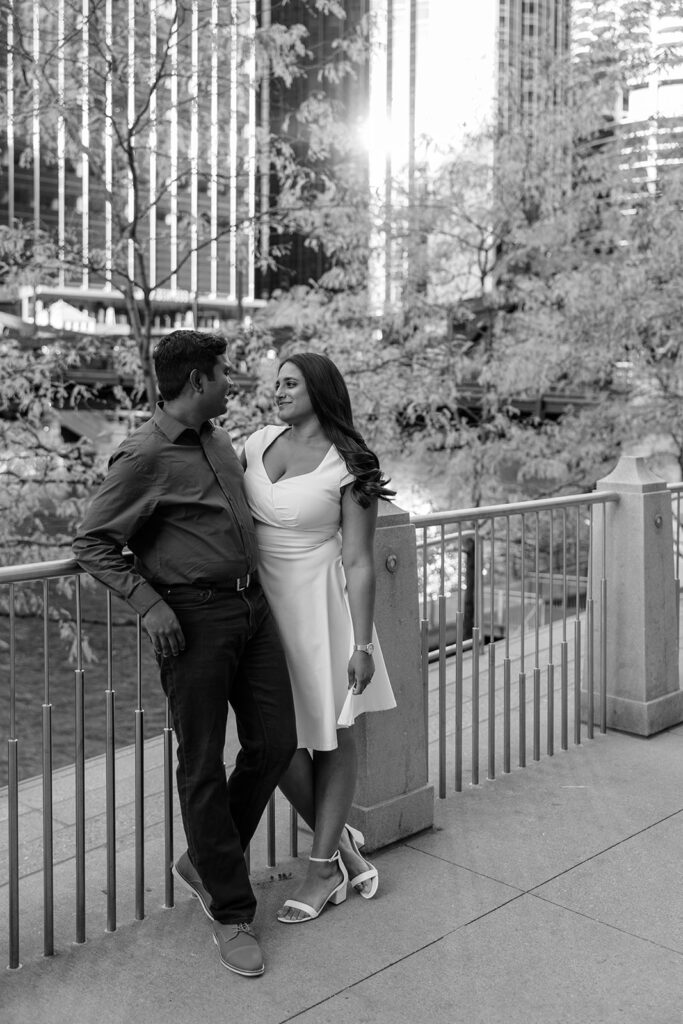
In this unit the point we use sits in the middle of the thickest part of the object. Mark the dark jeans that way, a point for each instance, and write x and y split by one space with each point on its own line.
232 656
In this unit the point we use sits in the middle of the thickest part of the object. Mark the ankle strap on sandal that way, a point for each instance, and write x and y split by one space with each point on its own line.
326 860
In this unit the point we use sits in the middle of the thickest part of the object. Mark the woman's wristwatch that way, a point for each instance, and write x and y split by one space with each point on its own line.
367 648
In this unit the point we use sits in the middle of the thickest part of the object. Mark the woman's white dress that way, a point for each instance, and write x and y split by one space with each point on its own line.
299 541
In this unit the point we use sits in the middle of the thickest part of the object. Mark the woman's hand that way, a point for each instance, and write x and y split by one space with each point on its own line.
361 670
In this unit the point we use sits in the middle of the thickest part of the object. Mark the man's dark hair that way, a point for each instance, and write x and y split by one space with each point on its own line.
181 352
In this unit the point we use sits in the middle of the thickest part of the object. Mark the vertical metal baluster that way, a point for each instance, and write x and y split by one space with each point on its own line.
506 660
603 625
270 833
492 562
564 647
459 636
550 711
522 673
475 704
79 767
13 794
480 588
424 637
425 555
293 833
48 868
476 641
110 779
577 641
442 669
590 635
537 656
492 664
677 568
169 900
139 785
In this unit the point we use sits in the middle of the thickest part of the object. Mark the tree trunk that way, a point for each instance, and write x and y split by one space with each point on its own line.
144 342
142 332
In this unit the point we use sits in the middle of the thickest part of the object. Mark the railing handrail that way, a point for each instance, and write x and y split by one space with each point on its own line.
70 567
30 571
513 508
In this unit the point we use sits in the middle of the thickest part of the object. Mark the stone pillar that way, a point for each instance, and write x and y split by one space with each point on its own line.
643 694
393 797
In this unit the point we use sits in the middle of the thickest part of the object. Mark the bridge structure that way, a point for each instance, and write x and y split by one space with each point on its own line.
522 802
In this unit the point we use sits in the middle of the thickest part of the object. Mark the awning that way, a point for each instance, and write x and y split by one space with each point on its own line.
11 324
95 426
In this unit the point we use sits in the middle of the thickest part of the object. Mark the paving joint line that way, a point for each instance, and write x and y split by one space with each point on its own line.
398 960
606 924
606 849
472 871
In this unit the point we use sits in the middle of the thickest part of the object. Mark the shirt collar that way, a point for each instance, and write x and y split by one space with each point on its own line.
173 428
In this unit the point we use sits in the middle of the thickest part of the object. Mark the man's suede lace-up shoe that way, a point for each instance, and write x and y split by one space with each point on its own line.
238 948
185 871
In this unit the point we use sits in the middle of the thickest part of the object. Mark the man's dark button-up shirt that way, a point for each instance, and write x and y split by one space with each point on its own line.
176 499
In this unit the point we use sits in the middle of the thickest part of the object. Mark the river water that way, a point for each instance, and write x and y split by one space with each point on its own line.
30 688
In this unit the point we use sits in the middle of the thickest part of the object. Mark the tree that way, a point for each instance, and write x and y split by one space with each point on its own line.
538 274
158 116
147 179
41 473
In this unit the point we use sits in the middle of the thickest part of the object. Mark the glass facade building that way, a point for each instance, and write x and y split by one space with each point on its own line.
531 34
137 137
131 141
136 150
648 110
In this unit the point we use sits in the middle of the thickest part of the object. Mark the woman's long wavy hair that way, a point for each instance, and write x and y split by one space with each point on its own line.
332 405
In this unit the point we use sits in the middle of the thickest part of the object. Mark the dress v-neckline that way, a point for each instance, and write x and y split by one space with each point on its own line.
296 476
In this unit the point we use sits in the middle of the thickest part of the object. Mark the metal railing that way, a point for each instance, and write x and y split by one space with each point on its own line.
676 499
510 576
515 580
67 576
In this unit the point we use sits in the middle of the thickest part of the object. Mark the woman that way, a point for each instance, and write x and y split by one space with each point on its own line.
313 485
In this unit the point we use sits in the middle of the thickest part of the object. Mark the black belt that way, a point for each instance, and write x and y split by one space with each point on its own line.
238 584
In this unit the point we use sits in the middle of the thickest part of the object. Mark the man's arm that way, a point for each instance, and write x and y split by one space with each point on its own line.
123 503
121 506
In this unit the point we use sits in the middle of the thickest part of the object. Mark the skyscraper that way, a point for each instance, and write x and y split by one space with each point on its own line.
648 107
531 35
129 139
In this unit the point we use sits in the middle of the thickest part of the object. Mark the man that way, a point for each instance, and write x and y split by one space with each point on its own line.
174 496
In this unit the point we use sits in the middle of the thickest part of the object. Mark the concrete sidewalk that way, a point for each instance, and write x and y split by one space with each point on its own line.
550 895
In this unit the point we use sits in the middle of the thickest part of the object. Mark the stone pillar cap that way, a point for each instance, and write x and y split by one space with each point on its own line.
391 514
631 474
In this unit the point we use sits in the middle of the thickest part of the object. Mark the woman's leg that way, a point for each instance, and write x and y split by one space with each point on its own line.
298 786
335 774
321 789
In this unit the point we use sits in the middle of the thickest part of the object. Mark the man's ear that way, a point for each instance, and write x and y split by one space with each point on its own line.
195 380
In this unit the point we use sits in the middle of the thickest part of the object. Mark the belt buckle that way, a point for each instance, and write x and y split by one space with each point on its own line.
243 582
